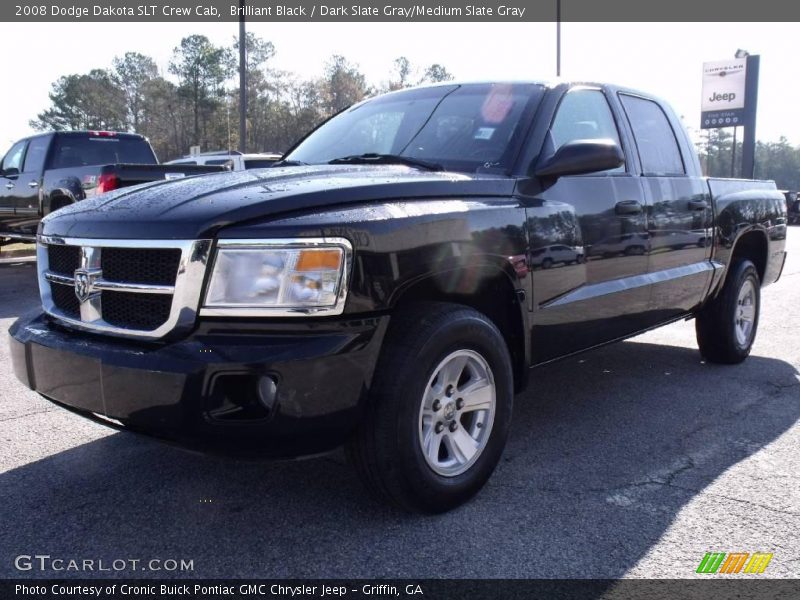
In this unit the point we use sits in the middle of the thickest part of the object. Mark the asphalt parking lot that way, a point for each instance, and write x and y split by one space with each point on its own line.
632 460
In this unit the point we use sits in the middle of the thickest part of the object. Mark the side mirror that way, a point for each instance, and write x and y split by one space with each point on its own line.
581 156
12 172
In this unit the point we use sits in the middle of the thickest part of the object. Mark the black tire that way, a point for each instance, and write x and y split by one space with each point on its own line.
386 449
547 263
59 202
716 324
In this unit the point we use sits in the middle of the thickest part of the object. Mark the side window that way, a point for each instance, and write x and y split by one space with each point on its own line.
37 151
658 147
584 115
13 160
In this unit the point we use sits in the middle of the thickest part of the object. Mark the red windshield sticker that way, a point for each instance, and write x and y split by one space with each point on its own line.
498 103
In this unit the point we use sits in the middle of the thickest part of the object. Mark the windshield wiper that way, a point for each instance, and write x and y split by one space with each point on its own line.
386 159
289 163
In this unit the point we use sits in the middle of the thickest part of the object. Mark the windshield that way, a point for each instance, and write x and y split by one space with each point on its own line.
461 127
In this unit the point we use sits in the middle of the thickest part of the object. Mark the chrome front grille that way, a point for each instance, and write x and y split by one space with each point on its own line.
127 288
157 266
137 311
64 259
65 299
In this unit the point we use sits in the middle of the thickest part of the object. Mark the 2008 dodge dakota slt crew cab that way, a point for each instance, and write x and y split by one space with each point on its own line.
383 285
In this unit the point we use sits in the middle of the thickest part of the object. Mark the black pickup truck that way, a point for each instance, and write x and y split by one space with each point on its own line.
45 172
377 287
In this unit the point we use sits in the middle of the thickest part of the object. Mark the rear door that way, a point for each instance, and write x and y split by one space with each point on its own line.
583 302
679 223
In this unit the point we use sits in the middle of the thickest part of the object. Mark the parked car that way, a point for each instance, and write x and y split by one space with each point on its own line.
370 293
675 239
233 160
629 244
45 172
547 256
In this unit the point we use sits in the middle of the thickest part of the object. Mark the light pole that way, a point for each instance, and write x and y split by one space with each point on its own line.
558 38
242 81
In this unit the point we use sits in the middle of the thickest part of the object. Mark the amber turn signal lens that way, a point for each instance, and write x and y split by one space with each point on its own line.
319 260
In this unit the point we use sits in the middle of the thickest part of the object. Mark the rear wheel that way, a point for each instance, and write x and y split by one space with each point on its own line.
726 328
58 202
439 411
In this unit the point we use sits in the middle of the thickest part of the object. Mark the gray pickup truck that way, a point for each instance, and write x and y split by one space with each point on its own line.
390 284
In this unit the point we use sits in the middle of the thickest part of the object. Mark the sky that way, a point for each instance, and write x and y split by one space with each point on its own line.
659 58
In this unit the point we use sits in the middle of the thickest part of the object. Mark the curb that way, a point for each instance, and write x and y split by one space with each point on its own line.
17 254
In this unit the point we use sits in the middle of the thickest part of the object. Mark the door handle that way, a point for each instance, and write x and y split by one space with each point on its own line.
33 184
698 205
628 207
9 185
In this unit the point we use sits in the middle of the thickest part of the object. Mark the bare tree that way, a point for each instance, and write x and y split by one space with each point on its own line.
132 72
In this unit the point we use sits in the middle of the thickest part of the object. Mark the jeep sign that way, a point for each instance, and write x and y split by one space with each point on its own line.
723 102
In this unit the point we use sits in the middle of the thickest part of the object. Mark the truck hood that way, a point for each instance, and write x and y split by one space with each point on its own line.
197 207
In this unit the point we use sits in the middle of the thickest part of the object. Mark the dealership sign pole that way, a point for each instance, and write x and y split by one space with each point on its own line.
730 96
242 82
751 95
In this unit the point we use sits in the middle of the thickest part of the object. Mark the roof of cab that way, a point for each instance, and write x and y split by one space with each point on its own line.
546 83
83 132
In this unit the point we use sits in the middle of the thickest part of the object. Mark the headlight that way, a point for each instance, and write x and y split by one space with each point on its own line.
278 277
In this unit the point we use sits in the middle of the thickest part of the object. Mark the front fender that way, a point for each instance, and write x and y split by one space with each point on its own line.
462 277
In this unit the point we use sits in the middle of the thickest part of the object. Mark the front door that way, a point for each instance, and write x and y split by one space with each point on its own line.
600 218
26 193
10 169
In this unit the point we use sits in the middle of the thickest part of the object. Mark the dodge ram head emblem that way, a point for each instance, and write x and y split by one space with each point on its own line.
84 284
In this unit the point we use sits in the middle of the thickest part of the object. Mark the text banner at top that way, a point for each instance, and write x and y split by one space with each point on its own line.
398 10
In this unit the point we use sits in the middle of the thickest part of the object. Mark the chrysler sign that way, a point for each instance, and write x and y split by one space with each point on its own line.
730 99
724 97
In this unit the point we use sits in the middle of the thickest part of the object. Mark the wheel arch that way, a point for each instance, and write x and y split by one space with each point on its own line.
59 198
488 289
752 245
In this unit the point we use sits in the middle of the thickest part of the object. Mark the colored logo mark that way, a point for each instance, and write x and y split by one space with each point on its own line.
734 562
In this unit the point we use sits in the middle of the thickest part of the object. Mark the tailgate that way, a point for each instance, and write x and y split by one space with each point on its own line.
132 174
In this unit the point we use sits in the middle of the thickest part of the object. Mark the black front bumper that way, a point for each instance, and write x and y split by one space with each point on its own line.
202 391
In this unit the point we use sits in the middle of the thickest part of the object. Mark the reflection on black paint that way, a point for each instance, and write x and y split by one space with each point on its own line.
575 219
